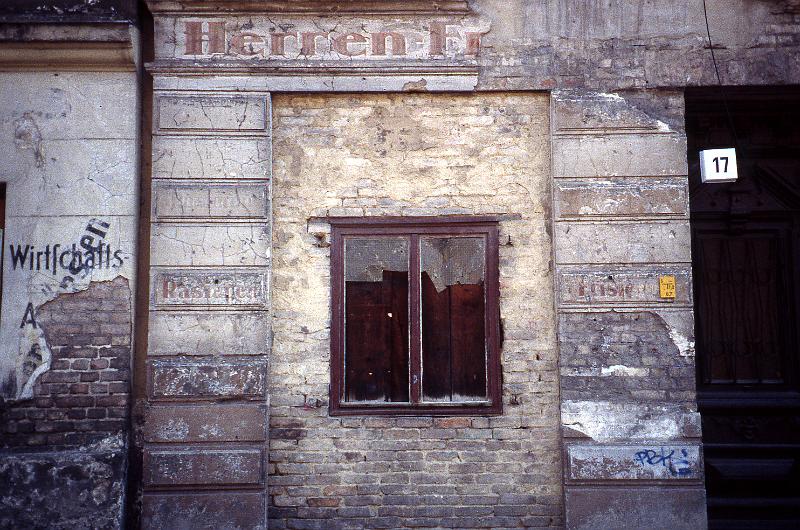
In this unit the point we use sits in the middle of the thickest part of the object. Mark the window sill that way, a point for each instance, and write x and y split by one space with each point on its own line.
442 409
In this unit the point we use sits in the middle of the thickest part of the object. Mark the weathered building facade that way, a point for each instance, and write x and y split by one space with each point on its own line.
70 115
397 264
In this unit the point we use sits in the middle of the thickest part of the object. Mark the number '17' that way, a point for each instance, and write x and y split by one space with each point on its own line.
723 158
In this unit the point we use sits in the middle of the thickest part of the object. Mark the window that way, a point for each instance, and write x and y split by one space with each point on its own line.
415 323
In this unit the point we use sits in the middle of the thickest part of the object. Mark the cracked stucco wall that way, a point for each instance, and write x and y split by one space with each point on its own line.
71 202
623 44
69 148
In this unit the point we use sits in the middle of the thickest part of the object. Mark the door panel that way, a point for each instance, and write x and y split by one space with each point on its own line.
745 242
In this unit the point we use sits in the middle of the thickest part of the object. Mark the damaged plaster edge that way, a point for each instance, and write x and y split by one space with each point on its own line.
26 393
615 370
579 95
610 421
618 103
111 444
684 342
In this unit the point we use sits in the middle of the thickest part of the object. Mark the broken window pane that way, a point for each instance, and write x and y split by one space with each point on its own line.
376 319
452 274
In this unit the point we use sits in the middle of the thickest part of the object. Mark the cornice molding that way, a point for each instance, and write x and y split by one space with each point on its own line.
310 7
70 47
181 67
67 56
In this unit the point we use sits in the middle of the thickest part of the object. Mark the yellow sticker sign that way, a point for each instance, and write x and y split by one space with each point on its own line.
666 287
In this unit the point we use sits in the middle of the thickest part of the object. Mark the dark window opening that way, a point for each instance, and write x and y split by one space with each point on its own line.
376 320
453 311
415 322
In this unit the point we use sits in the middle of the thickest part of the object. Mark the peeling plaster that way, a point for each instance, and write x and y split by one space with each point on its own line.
680 331
685 346
629 113
28 136
28 286
621 370
607 421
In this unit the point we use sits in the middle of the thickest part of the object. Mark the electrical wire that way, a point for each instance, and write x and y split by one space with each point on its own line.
719 81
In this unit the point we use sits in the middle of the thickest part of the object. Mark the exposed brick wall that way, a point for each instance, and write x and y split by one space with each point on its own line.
623 357
412 155
83 398
63 454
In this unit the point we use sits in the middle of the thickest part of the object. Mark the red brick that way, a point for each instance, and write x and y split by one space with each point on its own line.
60 364
109 425
111 401
75 401
43 402
90 376
87 353
79 364
99 364
99 388
452 423
114 375
60 377
95 413
328 502
117 412
76 414
118 388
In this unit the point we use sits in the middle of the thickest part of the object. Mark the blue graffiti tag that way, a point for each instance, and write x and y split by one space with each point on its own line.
678 466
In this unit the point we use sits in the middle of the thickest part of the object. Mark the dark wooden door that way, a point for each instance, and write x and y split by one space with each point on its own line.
746 267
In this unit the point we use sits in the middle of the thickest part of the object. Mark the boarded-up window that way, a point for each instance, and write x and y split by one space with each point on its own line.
415 316
453 314
376 320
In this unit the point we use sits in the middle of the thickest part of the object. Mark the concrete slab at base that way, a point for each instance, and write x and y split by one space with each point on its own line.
74 489
636 508
184 511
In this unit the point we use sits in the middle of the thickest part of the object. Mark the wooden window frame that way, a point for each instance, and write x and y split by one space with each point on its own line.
413 228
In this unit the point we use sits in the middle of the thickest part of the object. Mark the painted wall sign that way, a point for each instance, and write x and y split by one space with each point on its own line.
197 287
320 39
40 262
584 287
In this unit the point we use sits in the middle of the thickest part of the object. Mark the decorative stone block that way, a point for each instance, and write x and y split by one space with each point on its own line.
169 379
202 467
211 113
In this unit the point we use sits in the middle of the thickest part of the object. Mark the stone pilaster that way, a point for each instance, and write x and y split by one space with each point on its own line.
631 431
205 423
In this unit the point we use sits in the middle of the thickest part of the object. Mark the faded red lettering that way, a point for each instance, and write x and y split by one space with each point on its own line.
342 42
309 46
379 43
167 287
244 44
195 35
473 43
439 38
277 42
